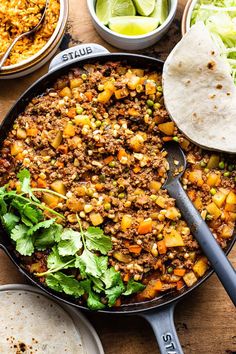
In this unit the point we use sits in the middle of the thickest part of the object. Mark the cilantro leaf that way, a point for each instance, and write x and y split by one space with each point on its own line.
70 243
24 243
3 205
56 262
24 178
98 285
48 237
93 264
67 284
41 225
114 292
93 300
133 287
10 220
81 266
96 240
19 206
110 277
33 214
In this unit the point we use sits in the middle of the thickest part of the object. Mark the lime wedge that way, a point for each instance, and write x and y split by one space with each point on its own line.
144 7
160 11
123 8
132 25
103 10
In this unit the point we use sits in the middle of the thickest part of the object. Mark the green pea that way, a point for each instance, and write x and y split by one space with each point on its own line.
203 164
153 197
149 111
107 206
102 178
114 183
175 138
231 168
112 164
121 195
98 123
227 174
221 165
206 170
79 109
150 103
159 89
213 191
84 77
157 105
160 237
170 270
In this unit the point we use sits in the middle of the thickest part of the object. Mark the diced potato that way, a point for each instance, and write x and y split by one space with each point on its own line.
21 133
35 267
150 87
190 279
66 91
57 140
51 200
154 76
108 85
81 191
231 198
172 213
173 239
103 97
59 187
228 230
138 72
230 207
161 246
124 258
219 199
213 161
96 218
123 157
201 266
126 222
82 120
75 82
16 147
32 132
213 210
137 143
184 144
74 204
161 201
75 142
167 128
145 227
121 93
232 216
213 179
69 130
133 82
133 112
198 203
195 177
154 186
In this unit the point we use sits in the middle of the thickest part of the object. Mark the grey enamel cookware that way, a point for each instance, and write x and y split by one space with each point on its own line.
158 312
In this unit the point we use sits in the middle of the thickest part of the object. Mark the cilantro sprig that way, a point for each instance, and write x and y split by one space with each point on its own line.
85 250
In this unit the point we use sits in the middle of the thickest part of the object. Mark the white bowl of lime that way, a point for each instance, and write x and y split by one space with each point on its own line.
132 24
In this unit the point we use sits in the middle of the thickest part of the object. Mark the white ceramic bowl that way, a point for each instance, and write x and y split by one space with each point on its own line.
132 42
187 14
44 54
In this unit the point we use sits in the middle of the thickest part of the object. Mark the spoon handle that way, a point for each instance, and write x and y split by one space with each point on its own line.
8 51
206 240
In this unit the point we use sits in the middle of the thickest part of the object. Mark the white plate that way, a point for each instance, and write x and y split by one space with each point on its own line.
91 343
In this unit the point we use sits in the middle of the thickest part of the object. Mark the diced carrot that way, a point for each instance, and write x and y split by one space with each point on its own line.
34 184
179 271
179 284
167 138
59 164
157 285
137 169
19 157
123 156
108 159
136 249
133 112
89 95
126 277
99 187
126 243
69 130
32 132
161 247
145 227
41 183
71 113
63 149
158 264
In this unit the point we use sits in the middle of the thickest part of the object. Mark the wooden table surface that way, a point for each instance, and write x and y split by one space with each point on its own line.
206 319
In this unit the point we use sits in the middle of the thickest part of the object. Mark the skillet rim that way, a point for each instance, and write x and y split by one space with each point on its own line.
5 126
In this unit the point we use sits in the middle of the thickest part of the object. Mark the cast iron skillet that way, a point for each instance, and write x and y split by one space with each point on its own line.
158 312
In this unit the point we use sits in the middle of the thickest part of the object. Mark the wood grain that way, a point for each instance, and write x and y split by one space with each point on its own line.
205 320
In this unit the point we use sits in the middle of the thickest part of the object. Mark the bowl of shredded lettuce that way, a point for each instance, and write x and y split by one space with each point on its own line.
219 16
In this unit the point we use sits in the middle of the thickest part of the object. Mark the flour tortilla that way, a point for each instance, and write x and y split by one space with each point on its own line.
31 323
199 91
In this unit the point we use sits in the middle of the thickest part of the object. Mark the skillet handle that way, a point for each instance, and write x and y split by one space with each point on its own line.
73 54
162 323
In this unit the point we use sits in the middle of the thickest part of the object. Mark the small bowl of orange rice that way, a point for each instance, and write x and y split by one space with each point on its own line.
30 52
